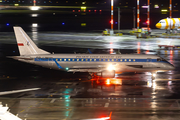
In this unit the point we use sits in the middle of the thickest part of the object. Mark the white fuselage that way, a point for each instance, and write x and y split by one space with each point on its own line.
99 62
169 23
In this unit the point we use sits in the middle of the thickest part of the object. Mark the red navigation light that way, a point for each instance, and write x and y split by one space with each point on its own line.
89 10
79 10
100 10
95 10
84 10
73 10
147 21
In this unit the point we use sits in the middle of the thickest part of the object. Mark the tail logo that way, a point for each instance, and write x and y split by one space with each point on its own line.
20 44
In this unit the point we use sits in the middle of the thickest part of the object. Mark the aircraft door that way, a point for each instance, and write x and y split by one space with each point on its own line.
149 62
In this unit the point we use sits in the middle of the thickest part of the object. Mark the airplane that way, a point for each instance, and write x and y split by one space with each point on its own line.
103 65
169 24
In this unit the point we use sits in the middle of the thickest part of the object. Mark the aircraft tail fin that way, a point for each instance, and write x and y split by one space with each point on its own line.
25 44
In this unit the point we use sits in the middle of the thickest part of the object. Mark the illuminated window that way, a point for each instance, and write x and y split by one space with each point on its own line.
86 59
104 60
64 59
60 59
56 59
112 59
77 59
121 59
94 59
90 59
73 59
81 59
108 59
116 59
99 59
129 59
125 60
134 60
69 59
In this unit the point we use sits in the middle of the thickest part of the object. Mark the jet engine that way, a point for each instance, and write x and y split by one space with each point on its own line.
108 74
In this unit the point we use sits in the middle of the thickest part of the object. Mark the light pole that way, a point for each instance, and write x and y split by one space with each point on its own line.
34 2
111 31
138 14
148 16
119 19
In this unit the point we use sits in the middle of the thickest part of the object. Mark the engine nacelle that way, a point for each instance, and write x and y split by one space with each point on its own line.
108 74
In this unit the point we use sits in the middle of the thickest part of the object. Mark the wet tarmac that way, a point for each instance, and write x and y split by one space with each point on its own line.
68 96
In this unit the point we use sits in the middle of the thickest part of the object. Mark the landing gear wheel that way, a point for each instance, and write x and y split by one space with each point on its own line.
89 77
153 78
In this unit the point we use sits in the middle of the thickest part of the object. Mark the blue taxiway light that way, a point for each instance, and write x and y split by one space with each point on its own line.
7 24
63 23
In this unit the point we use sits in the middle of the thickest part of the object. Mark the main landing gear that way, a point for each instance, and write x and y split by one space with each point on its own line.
153 76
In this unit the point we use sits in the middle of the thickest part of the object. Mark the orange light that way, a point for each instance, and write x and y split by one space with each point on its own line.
147 21
108 82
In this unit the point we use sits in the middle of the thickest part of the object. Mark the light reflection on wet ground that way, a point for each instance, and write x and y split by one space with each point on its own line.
132 91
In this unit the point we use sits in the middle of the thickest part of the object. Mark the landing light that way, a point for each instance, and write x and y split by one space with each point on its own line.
154 74
34 8
67 68
110 67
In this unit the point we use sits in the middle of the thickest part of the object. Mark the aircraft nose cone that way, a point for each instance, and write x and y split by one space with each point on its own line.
171 67
158 25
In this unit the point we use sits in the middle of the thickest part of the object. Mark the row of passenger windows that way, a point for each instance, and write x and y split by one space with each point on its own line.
112 60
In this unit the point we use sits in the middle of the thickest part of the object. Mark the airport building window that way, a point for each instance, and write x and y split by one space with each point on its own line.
129 59
104 60
99 59
112 59
94 59
90 59
64 59
60 59
134 60
86 59
77 59
81 59
69 59
121 59
72 59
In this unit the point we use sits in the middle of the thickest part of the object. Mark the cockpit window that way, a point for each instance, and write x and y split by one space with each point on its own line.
161 59
162 22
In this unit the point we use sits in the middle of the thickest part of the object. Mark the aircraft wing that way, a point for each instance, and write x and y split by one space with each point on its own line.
6 115
18 91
